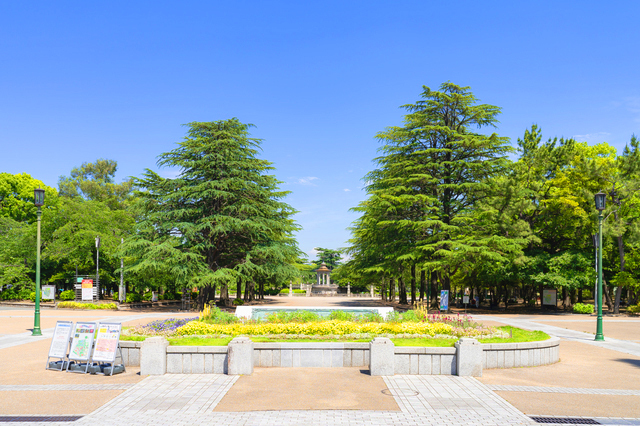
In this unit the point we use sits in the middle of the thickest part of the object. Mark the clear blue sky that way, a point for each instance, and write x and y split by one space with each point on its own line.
81 81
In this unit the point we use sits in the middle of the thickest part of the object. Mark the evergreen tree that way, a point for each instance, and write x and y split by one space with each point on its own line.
221 220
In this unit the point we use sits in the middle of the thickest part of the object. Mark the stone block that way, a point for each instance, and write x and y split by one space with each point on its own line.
134 357
492 359
256 357
240 358
174 363
186 364
346 358
208 363
537 356
524 358
413 363
326 357
337 358
220 363
500 359
275 358
448 365
266 358
424 364
402 364
381 357
357 358
435 364
311 358
468 357
153 357
286 358
517 359
367 356
296 357
197 363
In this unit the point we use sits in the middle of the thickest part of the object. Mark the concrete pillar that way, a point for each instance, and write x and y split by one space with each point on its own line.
348 289
290 289
240 358
153 356
469 357
381 357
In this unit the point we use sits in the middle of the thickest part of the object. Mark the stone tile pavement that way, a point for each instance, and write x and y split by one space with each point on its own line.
189 399
553 389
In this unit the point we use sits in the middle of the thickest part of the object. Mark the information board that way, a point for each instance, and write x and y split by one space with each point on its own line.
82 341
48 292
465 300
549 297
444 300
107 342
87 289
60 341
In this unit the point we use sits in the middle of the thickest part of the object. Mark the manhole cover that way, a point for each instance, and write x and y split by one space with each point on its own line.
565 420
400 392
21 419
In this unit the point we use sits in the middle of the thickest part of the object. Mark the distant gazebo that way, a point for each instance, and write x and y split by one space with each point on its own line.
324 275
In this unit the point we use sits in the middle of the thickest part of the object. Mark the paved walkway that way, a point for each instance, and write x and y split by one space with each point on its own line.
535 323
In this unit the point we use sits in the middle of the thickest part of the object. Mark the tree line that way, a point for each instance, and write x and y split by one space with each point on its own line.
221 225
453 206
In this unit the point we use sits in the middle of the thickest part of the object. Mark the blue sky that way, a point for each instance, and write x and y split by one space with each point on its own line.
82 80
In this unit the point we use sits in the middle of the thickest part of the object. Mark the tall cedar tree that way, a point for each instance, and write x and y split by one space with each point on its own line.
431 172
221 220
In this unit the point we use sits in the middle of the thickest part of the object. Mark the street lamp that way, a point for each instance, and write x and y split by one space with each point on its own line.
97 262
38 200
600 199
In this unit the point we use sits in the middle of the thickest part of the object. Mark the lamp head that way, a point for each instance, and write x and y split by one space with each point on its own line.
600 198
38 197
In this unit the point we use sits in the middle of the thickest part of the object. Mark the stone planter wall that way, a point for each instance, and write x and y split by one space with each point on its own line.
425 361
528 354
391 360
311 354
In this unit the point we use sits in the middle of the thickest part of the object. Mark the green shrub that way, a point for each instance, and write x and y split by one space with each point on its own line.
32 296
284 290
76 305
238 302
147 296
212 314
634 309
68 295
169 295
133 298
582 308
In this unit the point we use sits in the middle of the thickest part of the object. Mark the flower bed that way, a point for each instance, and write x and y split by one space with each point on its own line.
77 305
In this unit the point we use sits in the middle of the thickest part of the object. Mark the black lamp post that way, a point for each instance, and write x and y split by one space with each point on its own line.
600 199
38 200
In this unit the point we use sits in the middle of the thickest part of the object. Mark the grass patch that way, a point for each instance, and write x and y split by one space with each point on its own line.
133 338
519 335
199 341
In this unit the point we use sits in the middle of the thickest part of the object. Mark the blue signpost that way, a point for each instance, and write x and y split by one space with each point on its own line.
444 300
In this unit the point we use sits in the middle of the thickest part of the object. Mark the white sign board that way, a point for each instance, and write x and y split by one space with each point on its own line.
82 341
465 300
107 342
549 297
48 292
60 341
154 296
87 289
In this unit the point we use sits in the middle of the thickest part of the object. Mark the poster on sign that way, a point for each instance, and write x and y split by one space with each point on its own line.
444 300
60 341
87 289
549 297
48 292
107 342
82 341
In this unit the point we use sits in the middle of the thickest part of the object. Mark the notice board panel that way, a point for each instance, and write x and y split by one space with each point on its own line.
60 341
82 341
107 342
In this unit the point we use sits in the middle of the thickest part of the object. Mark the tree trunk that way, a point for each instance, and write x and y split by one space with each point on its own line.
383 289
204 296
413 284
261 291
434 289
605 292
402 291
392 289
224 295
423 284
239 290
580 300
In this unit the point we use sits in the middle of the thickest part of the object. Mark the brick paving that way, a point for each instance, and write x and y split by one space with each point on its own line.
553 389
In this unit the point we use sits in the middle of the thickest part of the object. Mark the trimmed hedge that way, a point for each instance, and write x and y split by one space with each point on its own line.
76 305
